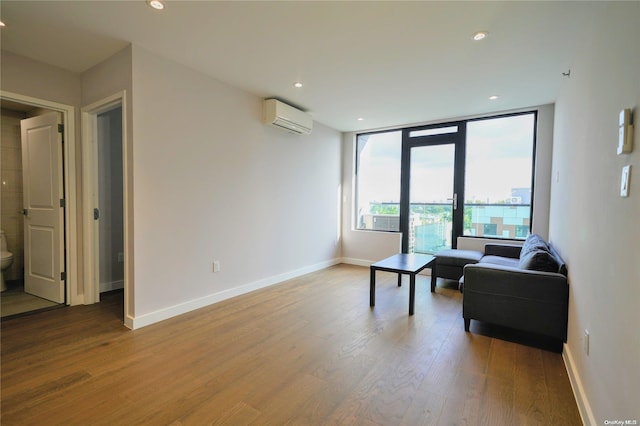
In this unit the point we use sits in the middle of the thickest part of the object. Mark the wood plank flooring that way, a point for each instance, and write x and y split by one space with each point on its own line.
306 352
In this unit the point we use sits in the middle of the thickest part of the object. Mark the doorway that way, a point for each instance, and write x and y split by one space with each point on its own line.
60 268
104 143
432 183
109 206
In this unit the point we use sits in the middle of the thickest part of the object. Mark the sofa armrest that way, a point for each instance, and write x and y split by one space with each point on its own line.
519 298
504 250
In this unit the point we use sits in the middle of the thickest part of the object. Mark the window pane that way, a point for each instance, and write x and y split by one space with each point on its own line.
430 198
498 176
378 181
432 132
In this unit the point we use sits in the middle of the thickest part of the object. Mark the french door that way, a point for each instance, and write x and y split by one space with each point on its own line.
431 210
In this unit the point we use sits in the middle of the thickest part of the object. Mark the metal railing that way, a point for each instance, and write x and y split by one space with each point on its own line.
431 223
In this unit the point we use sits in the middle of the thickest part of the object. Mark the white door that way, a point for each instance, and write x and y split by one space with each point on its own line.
43 221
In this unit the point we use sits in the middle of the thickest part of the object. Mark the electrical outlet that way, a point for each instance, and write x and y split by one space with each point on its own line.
586 341
216 266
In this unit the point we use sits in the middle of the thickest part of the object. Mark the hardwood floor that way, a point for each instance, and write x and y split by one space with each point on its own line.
309 351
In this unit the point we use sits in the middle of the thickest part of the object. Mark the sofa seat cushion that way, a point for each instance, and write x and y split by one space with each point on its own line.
502 261
457 257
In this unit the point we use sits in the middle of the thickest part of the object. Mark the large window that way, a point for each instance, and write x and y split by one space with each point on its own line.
496 179
378 181
498 176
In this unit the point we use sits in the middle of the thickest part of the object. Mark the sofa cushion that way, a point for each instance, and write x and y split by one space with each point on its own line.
502 261
455 257
534 242
538 260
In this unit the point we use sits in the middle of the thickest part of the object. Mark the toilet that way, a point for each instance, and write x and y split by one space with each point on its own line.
7 260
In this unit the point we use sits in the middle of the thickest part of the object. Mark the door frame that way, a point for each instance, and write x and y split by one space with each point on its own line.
408 143
90 181
71 264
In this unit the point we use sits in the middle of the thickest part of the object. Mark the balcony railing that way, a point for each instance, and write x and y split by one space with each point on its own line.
430 224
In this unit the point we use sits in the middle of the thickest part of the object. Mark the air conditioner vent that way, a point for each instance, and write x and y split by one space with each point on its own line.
286 117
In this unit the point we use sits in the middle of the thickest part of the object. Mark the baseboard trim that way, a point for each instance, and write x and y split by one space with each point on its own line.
357 262
578 390
128 321
367 263
182 308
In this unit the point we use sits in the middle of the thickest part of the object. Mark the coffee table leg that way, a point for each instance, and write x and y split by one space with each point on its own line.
412 293
433 276
372 288
399 279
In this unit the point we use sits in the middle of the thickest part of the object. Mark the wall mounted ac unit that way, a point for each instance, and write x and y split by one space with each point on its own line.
286 117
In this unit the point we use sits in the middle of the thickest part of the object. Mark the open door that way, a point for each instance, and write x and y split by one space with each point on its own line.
43 207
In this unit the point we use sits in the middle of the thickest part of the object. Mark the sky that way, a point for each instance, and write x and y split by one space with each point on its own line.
498 158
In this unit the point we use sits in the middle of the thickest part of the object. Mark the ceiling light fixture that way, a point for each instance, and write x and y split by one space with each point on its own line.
297 84
156 4
360 119
1 24
493 97
480 35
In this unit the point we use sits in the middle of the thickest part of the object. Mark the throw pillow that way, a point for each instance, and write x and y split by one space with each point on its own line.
533 243
538 260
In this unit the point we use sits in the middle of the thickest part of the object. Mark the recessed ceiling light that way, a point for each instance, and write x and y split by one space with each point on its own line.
480 35
360 119
156 4
297 84
1 24
493 97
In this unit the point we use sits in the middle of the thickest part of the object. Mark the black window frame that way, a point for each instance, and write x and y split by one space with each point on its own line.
459 174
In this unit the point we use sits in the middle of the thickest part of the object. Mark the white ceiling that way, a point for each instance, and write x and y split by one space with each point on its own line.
391 63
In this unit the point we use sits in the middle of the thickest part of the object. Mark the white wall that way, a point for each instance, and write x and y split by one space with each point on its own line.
542 183
364 247
213 183
596 230
27 77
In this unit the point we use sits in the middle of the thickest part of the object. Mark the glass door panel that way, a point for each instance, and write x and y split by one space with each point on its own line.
431 198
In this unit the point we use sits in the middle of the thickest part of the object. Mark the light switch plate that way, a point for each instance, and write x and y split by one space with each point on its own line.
624 181
625 131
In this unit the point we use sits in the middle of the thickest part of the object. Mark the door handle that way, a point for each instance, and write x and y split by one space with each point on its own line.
24 212
455 200
96 214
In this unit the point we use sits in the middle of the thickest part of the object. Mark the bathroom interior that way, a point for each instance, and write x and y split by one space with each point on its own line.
14 301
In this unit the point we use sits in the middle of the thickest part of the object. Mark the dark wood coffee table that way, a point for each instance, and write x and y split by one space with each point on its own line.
401 263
